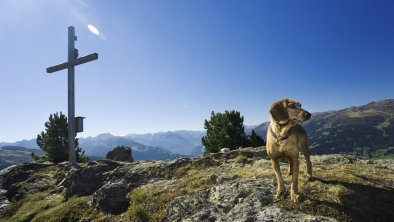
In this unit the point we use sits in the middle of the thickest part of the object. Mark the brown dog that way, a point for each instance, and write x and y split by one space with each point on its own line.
285 139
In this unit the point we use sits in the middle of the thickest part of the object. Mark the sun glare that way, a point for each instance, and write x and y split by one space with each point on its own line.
93 29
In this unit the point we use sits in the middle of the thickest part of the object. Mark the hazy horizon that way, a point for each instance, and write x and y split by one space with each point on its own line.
164 131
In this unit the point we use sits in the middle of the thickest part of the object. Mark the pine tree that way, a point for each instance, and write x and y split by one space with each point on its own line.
224 130
54 141
254 140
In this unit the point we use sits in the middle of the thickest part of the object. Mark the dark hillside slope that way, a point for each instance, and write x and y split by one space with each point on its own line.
365 130
10 155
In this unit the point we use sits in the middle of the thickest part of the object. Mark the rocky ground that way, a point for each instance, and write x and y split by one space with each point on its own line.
234 186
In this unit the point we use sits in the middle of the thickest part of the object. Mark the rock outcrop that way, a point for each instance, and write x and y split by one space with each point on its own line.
120 153
112 197
85 181
277 214
232 186
11 176
237 200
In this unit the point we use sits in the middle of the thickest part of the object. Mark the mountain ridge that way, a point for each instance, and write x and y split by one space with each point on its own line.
329 132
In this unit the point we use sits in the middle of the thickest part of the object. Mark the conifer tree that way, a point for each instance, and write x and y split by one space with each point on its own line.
224 130
254 140
54 141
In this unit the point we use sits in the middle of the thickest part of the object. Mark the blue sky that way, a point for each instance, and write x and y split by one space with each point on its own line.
165 65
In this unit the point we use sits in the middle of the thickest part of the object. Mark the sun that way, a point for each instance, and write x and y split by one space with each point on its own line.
93 29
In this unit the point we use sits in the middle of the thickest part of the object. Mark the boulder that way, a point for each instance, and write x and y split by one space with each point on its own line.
112 198
225 150
120 153
86 181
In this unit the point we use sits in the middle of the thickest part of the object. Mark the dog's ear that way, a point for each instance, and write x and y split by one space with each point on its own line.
278 112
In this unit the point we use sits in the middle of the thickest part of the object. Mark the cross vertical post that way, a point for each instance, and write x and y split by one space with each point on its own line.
72 61
71 96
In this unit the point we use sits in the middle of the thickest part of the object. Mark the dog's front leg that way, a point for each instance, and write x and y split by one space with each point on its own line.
281 186
309 168
305 150
294 185
290 169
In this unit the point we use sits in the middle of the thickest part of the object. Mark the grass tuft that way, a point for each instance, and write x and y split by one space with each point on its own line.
241 159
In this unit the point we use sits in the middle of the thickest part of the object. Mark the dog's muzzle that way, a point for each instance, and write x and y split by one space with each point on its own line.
307 115
303 117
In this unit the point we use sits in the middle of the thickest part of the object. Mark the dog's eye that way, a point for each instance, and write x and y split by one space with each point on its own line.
292 106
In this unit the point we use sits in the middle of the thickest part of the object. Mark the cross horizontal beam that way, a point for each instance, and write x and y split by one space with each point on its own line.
75 62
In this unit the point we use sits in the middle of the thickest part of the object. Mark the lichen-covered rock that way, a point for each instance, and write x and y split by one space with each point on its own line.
12 175
3 199
85 181
238 200
225 150
249 152
338 158
387 163
275 214
221 178
17 173
112 198
262 164
120 153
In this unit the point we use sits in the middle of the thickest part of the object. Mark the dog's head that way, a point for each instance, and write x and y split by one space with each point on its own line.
286 110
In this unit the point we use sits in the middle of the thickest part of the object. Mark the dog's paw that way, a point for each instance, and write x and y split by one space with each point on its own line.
279 192
294 197
309 178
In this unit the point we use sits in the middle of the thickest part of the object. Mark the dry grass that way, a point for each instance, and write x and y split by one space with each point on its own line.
347 192
249 171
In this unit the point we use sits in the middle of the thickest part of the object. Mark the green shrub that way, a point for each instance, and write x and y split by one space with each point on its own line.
241 159
137 196
138 212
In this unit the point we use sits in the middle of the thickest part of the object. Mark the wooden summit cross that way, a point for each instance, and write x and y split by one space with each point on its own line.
73 61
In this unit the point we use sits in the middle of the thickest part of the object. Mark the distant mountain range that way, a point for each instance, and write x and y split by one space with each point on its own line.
177 142
180 142
101 144
157 146
24 143
10 155
366 130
